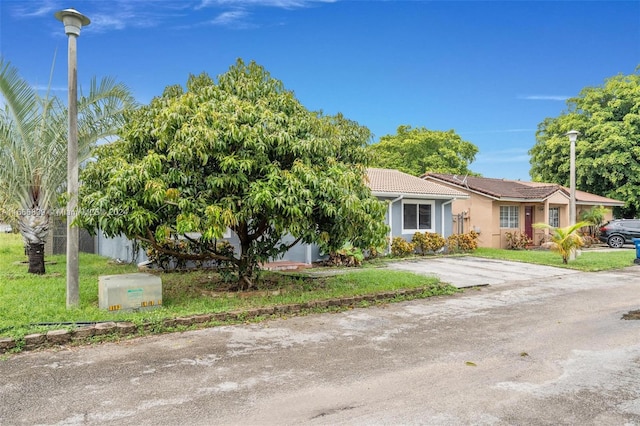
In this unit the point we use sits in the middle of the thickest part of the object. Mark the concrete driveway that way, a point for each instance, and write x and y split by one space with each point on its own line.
549 351
467 271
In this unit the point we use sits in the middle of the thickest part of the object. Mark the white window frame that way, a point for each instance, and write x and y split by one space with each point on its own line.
556 211
430 203
510 217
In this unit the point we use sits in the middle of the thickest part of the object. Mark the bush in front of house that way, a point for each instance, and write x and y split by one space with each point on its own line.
427 242
462 243
401 247
175 255
517 240
348 255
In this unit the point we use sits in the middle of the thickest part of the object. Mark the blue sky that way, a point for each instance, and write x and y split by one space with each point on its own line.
490 70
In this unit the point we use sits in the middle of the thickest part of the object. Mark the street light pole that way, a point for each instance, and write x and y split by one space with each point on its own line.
573 136
73 21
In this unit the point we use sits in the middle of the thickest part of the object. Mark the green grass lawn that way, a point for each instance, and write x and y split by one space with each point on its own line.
27 301
591 260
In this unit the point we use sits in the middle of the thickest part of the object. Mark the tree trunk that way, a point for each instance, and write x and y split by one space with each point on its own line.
35 251
245 274
245 267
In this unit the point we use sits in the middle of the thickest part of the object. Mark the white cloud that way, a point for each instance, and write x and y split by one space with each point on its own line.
30 10
283 4
119 15
41 88
103 23
238 14
230 18
108 16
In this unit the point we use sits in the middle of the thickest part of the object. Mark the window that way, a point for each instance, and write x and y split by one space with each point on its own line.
509 216
417 216
554 217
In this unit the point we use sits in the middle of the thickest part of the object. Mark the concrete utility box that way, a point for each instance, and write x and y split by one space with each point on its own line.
139 291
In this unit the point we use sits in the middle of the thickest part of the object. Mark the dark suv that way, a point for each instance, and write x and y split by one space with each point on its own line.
619 231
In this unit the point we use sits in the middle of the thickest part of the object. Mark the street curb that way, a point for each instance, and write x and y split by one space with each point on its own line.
62 337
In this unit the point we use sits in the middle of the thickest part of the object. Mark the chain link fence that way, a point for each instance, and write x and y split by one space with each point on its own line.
87 243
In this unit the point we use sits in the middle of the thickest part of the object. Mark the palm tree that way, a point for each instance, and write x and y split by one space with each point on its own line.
33 148
595 217
565 240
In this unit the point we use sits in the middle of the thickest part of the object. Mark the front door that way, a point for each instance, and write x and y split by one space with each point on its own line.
528 221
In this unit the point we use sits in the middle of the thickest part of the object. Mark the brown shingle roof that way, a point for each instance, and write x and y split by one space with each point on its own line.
497 188
395 182
515 189
584 197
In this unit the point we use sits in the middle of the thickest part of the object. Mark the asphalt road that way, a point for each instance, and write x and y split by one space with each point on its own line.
549 350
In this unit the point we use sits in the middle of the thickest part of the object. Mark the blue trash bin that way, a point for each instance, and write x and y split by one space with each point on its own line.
636 242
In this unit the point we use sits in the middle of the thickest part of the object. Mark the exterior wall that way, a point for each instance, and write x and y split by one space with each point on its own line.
477 213
448 218
609 214
397 217
118 248
301 252
537 216
121 248
482 214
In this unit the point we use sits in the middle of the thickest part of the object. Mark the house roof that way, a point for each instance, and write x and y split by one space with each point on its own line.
516 190
393 183
588 198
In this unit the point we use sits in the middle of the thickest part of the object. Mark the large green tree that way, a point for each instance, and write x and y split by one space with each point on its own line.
242 154
33 149
417 151
608 148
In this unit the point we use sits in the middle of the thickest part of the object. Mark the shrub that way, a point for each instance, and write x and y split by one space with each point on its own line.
428 242
565 240
401 247
374 252
517 240
462 243
183 248
589 240
348 255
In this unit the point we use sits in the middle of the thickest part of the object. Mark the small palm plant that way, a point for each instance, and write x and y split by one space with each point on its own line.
565 240
595 216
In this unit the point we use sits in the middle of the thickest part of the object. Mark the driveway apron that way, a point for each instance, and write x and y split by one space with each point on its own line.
470 271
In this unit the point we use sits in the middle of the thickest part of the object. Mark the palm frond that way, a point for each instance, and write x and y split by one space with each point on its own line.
20 103
33 140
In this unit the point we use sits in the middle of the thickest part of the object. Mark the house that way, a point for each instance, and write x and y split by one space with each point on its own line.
414 205
497 206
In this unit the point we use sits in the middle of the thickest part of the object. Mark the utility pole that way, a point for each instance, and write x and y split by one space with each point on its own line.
73 22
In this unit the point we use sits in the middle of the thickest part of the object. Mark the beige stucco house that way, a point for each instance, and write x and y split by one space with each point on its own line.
497 206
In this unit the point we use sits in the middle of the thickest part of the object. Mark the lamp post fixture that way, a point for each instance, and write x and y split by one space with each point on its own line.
73 21
573 136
